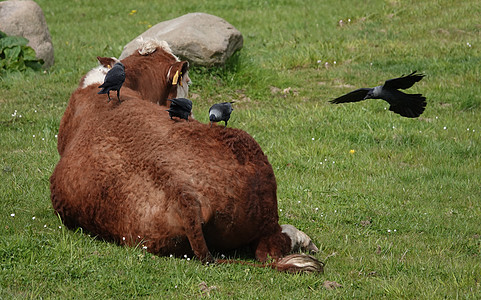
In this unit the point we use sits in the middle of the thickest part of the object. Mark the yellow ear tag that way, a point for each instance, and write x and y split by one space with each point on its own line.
176 77
109 67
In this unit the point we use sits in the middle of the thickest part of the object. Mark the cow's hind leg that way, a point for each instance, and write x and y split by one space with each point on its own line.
192 222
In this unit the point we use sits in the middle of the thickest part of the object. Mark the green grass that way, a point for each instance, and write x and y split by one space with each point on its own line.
398 218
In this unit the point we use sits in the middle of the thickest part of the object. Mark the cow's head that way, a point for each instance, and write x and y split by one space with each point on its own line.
154 72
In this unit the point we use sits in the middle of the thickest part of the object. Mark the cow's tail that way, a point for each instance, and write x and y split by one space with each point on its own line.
294 263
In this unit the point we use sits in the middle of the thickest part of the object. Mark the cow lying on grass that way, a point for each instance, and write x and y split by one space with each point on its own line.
129 174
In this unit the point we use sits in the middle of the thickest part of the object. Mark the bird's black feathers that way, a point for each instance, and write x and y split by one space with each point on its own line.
403 82
220 112
406 105
412 107
354 96
180 108
113 80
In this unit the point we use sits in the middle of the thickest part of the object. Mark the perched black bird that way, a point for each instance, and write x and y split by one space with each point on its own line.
407 105
113 80
180 107
220 112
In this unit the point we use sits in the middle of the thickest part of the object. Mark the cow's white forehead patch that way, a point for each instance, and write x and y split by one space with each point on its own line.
149 45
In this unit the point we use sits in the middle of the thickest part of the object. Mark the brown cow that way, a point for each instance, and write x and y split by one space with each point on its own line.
129 174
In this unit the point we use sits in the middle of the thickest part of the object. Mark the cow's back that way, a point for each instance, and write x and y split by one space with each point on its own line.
124 174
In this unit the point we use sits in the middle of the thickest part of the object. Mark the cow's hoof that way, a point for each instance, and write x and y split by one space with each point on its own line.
208 260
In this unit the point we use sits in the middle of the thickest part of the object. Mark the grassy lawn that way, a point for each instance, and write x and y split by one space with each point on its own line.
398 217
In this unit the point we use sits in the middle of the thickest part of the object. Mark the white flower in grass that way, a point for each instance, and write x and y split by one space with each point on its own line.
171 255
444 127
317 208
45 226
33 218
319 61
298 202
60 227
185 255
123 238
43 139
56 136
144 247
12 215
33 135
188 258
222 256
389 230
468 44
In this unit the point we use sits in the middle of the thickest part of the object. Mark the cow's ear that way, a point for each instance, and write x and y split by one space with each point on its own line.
177 71
107 62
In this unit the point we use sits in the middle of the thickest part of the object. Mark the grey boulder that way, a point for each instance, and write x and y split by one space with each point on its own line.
200 38
26 18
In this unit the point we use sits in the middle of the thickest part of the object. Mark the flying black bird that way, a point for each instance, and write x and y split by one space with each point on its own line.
180 107
407 105
113 80
220 112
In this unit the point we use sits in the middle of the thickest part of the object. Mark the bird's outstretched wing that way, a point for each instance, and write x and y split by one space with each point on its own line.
404 82
354 96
